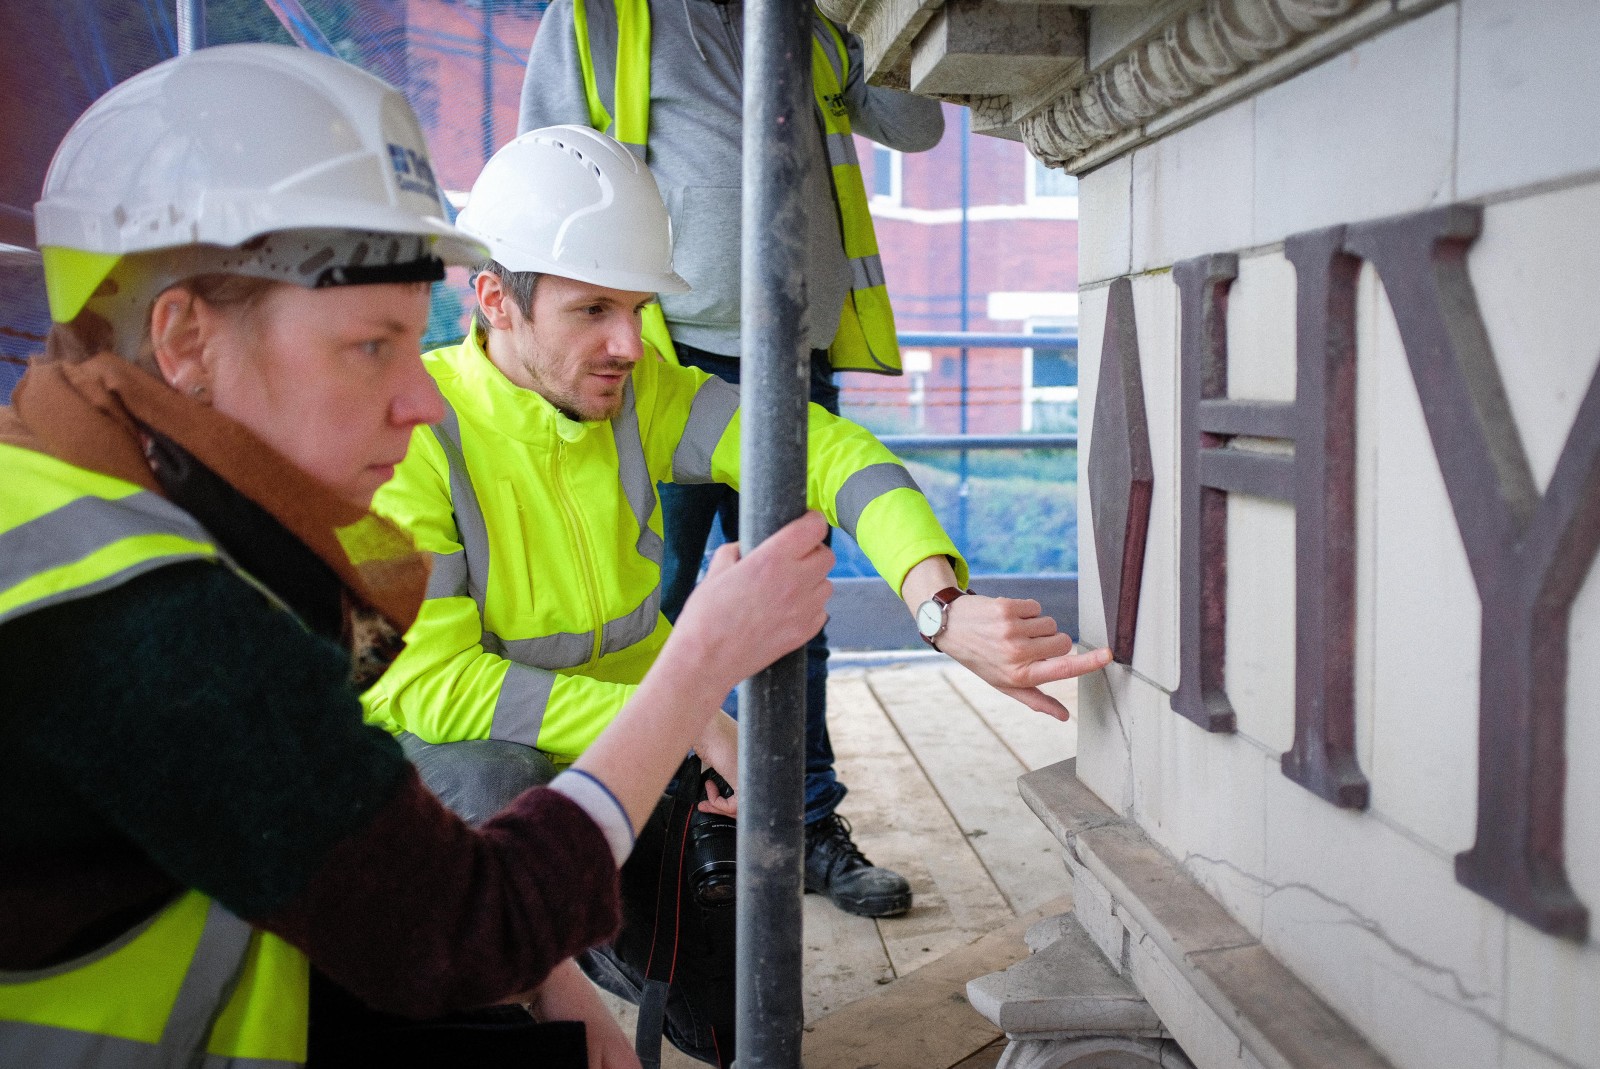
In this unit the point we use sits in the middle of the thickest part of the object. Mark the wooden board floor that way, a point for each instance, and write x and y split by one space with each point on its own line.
931 755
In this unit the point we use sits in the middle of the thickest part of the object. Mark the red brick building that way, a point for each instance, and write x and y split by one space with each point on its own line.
1021 228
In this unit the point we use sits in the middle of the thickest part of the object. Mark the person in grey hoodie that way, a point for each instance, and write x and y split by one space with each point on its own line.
695 150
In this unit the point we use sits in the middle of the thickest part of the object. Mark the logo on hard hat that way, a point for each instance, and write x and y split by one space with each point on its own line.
412 171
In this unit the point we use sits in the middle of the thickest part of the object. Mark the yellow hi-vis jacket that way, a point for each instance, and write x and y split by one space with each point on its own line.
193 985
866 337
543 611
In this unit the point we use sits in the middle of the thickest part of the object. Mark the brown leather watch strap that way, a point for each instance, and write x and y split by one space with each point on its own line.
945 598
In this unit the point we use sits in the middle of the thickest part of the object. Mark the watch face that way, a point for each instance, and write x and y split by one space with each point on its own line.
930 617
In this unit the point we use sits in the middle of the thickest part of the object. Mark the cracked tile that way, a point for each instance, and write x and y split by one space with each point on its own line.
1375 922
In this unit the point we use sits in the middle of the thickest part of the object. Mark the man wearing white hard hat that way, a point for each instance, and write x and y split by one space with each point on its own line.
537 496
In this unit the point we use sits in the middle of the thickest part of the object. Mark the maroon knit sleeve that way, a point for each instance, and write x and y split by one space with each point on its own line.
418 914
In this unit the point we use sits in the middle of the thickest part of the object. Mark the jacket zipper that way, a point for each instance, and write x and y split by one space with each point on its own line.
586 558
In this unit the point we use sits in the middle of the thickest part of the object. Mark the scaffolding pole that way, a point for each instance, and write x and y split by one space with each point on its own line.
775 373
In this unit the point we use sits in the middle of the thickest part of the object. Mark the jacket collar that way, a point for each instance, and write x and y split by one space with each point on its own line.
492 398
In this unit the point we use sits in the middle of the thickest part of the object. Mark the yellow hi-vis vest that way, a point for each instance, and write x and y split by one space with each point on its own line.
193 985
866 338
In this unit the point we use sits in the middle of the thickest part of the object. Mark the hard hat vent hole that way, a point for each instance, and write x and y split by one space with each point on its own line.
596 169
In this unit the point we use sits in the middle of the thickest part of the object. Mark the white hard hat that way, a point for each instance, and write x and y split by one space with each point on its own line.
225 145
571 201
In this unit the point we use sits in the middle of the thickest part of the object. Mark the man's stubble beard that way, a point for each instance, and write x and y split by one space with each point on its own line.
568 404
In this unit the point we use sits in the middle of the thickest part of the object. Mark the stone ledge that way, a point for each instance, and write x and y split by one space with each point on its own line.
1166 913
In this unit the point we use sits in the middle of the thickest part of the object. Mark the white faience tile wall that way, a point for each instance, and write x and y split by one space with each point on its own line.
1261 322
1377 925
1261 624
1490 100
1529 81
1091 334
1201 797
1155 648
1425 610
1368 133
1104 237
1191 191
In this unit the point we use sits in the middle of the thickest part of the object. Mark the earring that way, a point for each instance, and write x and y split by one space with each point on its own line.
197 391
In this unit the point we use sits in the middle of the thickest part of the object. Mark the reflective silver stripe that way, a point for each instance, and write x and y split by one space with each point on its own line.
865 487
519 710
214 969
449 576
842 151
567 649
467 572
636 626
470 523
830 46
525 690
40 1046
866 272
634 472
213 972
86 525
709 416
564 649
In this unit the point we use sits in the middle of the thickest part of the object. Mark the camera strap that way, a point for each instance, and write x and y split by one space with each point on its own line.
663 959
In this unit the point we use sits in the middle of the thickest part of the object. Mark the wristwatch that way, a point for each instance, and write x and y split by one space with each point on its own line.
933 615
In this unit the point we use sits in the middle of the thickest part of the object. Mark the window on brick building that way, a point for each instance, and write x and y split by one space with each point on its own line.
1050 382
1049 184
885 183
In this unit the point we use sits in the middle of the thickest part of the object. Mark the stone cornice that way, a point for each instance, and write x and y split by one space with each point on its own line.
1203 56
1189 55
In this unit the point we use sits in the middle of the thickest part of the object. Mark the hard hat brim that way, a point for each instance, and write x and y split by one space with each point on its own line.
611 278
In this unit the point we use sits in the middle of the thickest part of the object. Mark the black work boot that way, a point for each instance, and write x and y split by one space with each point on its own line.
834 867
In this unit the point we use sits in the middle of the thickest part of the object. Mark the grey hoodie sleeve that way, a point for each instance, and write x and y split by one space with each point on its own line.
889 117
552 88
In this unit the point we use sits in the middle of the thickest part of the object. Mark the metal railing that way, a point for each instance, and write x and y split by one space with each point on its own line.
866 614
964 442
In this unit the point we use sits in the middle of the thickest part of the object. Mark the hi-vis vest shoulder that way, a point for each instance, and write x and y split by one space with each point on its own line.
866 337
193 985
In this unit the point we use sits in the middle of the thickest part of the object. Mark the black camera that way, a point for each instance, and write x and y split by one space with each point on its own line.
709 864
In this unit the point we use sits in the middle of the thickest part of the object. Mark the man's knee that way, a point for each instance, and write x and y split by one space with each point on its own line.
477 778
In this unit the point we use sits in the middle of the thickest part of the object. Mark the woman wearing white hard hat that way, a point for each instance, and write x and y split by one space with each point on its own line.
238 245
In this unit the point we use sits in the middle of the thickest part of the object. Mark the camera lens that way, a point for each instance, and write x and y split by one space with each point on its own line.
710 864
